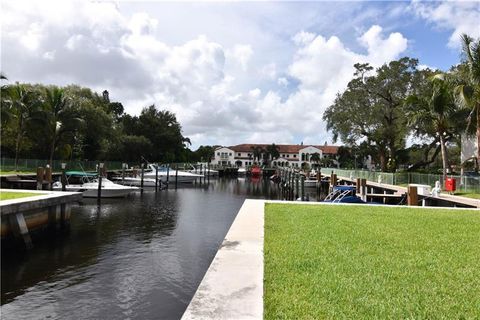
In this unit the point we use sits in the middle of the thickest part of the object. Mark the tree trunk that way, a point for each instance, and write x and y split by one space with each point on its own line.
444 158
17 143
478 136
17 140
52 149
383 162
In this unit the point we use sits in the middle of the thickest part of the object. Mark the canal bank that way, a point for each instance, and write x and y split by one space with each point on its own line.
233 287
43 209
140 257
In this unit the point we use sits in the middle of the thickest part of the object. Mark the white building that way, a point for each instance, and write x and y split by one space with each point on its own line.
242 155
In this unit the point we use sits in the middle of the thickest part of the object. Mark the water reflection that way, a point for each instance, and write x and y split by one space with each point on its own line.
141 257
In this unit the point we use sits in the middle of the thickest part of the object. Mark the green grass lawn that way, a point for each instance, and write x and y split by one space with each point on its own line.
10 172
367 262
16 195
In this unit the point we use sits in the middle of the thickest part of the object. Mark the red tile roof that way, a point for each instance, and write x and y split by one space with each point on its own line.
284 148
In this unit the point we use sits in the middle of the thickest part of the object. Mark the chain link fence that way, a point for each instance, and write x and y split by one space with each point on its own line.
31 165
468 184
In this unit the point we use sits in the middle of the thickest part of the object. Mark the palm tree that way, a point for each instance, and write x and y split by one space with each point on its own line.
257 152
433 113
315 158
467 91
272 152
56 119
18 103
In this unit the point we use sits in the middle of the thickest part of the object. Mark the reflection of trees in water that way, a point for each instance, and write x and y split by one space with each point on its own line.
93 227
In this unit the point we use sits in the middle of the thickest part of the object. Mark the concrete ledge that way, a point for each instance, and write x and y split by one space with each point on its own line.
44 199
233 285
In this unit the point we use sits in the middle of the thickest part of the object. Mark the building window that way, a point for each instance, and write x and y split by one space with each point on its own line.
229 153
294 155
239 154
218 153
288 156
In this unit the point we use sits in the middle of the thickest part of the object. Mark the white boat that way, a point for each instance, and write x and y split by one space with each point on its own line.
242 171
171 174
203 169
87 183
135 181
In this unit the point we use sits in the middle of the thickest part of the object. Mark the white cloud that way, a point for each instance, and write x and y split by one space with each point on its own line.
269 71
222 92
242 54
459 16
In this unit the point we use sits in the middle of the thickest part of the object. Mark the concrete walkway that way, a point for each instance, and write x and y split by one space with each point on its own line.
233 285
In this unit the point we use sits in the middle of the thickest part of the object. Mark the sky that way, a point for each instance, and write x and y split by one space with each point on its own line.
232 72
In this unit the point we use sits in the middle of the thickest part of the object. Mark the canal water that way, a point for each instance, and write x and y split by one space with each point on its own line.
142 257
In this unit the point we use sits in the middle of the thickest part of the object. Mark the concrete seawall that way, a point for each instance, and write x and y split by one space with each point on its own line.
21 216
233 285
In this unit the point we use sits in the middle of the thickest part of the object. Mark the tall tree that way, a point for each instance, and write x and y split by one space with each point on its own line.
371 108
272 152
467 90
18 103
163 130
56 119
257 152
433 114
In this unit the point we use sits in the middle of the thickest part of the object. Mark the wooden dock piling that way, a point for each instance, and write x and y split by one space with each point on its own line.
156 178
48 177
141 177
412 196
39 178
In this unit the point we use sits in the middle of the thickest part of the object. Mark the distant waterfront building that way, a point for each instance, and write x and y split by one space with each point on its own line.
291 155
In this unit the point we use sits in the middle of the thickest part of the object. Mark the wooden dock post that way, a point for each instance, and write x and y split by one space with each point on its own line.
168 174
412 196
141 177
333 180
297 186
363 189
302 180
176 177
63 178
39 178
123 172
48 176
156 178
208 173
99 192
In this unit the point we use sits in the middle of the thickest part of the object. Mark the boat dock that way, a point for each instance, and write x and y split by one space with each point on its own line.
292 184
48 210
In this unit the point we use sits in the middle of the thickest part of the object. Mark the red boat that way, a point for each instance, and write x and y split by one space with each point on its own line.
256 171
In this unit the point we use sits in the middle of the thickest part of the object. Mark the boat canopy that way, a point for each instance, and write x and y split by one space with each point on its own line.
80 174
